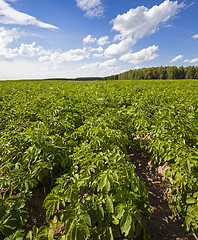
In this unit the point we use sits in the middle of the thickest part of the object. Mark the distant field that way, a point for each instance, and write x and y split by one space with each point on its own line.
69 140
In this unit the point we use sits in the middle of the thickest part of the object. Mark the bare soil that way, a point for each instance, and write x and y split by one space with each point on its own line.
37 213
162 225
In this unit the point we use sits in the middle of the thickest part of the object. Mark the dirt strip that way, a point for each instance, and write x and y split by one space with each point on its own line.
162 225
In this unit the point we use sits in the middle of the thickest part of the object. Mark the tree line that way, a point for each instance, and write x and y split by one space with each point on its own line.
168 72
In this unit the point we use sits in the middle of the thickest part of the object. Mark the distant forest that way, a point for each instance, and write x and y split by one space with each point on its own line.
169 72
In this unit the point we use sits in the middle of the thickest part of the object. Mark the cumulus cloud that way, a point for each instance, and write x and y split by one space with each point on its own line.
89 39
141 21
92 8
7 54
68 56
195 36
179 57
194 60
99 49
103 40
30 50
119 48
7 37
9 15
146 54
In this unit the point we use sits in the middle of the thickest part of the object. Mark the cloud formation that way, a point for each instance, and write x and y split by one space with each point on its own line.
89 39
102 68
9 15
141 21
119 48
195 36
30 50
179 57
7 37
92 8
146 54
101 41
194 60
68 56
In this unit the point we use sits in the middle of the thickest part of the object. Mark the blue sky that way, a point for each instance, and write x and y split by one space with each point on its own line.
73 38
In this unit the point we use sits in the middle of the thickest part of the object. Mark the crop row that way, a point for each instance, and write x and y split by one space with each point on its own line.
73 138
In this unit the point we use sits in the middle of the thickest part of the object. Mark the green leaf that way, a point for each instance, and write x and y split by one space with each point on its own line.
125 224
138 216
29 235
138 229
115 220
109 204
18 235
68 227
102 183
101 210
51 234
107 186
85 230
62 237
190 200
86 218
119 210
111 233
35 230
188 221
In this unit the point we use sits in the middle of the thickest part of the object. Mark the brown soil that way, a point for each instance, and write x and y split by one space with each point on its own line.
162 225
37 212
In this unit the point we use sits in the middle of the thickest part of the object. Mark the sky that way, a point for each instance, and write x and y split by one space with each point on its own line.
94 38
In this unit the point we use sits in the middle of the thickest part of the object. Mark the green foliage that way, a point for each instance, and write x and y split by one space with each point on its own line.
73 137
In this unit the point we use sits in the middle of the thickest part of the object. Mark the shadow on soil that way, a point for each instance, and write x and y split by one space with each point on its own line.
162 226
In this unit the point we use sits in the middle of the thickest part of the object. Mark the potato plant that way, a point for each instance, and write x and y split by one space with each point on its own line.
73 138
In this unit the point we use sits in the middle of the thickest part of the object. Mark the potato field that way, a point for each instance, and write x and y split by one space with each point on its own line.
70 140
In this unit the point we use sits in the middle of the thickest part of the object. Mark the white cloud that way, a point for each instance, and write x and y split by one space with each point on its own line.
30 50
9 15
92 8
8 36
146 54
108 63
8 54
119 48
89 39
179 57
194 60
99 49
195 36
68 56
141 21
103 40
100 68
